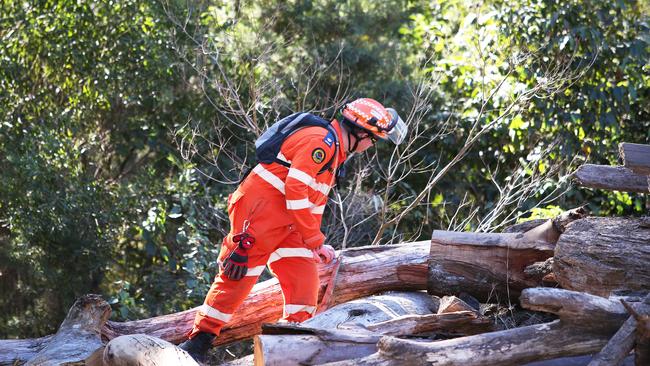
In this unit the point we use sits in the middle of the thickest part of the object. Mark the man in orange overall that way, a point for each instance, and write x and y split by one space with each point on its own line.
276 213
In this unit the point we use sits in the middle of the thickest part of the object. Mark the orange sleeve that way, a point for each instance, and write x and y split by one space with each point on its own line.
308 159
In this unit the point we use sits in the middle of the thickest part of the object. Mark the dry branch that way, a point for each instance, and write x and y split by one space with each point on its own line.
616 178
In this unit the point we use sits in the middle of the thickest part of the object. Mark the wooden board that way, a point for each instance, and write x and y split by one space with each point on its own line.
636 157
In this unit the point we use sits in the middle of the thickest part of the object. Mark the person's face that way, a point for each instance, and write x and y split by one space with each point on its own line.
366 140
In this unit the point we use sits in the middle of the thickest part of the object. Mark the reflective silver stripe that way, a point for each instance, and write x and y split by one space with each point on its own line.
318 210
255 271
300 175
299 204
283 158
292 309
309 180
290 252
214 313
269 177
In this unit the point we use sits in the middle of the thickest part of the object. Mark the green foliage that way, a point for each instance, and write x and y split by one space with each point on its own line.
89 98
99 192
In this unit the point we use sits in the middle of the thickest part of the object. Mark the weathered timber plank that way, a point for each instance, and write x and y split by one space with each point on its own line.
617 178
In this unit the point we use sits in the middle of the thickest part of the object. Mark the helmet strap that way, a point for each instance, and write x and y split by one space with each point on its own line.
352 131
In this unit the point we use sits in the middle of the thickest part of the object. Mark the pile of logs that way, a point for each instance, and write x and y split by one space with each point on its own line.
596 258
420 303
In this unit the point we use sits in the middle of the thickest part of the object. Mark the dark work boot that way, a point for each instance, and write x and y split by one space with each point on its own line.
198 346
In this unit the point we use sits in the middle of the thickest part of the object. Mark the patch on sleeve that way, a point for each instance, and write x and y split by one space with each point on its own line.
329 139
318 155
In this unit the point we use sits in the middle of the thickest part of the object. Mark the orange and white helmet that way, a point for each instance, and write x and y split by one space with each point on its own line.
370 115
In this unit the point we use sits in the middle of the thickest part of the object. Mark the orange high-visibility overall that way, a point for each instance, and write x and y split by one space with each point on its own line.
282 208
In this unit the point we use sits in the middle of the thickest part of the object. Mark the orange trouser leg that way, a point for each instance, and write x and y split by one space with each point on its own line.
299 281
226 295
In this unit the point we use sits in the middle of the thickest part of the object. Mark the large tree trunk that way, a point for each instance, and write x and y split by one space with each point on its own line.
586 322
604 256
616 178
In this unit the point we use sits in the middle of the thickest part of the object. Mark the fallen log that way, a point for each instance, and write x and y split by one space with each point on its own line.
636 157
604 256
585 323
487 266
363 312
492 266
351 330
508 347
144 350
312 349
77 338
615 178
311 346
578 309
458 322
320 338
364 271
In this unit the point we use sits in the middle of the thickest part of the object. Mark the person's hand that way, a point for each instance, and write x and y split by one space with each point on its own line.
324 254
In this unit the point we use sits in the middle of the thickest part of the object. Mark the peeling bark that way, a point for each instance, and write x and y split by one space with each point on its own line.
604 256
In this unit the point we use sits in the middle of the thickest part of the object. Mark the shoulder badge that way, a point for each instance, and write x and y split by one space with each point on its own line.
329 139
318 155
